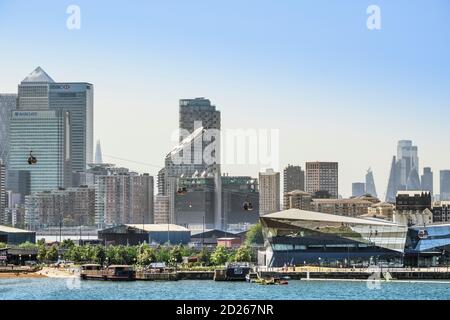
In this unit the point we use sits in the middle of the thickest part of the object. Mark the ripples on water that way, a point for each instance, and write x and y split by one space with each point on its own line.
75 289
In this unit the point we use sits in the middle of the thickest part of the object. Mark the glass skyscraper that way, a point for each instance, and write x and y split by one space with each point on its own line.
8 102
40 92
55 121
45 133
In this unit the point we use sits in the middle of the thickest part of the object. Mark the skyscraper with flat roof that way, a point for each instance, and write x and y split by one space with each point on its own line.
293 178
322 176
358 189
269 192
8 103
45 133
445 185
427 180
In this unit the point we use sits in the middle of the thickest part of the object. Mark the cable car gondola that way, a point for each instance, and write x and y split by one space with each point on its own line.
32 159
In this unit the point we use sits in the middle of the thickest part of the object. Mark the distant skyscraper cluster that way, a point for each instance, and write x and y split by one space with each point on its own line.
51 123
404 174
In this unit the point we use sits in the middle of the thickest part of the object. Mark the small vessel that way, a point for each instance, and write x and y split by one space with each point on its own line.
120 273
251 277
92 272
271 281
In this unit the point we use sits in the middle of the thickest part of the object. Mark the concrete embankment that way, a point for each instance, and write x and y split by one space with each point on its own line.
399 275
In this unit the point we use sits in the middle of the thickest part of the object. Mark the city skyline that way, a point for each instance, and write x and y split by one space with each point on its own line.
234 79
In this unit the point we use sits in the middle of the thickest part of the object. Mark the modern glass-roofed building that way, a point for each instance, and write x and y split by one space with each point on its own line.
300 237
428 245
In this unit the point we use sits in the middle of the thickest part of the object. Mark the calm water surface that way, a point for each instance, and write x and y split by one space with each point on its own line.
75 289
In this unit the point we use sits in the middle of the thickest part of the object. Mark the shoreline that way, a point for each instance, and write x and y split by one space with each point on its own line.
45 272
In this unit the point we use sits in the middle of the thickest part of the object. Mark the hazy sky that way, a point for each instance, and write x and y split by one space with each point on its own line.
335 90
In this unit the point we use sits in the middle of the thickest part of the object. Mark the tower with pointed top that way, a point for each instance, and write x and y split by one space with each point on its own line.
370 184
98 153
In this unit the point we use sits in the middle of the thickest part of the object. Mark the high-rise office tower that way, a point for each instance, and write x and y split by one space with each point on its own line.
198 110
408 159
293 178
98 153
322 177
427 180
8 102
45 133
404 169
269 192
358 189
370 184
2 189
197 117
40 92
55 121
413 182
445 185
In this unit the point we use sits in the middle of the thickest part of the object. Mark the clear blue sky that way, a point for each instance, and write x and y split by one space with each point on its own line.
336 90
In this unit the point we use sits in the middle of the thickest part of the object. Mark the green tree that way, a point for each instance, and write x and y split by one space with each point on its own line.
219 256
52 253
243 254
254 235
162 254
205 256
2 245
67 244
42 253
146 255
175 255
28 245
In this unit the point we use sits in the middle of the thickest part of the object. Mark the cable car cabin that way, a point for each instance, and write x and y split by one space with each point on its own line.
32 159
248 206
120 273
182 191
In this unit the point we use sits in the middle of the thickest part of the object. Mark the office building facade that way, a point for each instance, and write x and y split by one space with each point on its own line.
63 207
45 133
40 92
269 191
445 185
293 178
123 198
8 103
427 180
404 173
370 184
297 199
161 209
358 189
322 176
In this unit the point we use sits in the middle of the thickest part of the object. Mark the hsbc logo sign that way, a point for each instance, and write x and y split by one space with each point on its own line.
62 86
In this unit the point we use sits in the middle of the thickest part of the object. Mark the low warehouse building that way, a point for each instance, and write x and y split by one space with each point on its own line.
134 234
13 236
